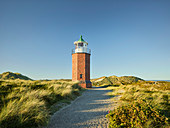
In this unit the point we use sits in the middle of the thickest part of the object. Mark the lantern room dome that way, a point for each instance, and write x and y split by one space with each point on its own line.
81 40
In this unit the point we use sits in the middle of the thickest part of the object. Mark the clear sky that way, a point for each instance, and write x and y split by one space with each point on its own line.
127 37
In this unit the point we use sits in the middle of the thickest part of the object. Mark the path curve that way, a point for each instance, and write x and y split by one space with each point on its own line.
88 110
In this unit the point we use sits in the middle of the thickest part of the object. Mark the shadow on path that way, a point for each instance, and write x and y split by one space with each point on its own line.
88 110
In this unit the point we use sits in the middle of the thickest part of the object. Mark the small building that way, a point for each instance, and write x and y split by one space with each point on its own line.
81 63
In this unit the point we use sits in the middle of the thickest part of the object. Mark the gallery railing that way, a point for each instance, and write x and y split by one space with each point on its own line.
81 50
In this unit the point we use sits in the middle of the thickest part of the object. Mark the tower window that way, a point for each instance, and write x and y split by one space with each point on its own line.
80 44
81 75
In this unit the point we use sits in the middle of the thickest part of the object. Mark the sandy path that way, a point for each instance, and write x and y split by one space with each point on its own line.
86 111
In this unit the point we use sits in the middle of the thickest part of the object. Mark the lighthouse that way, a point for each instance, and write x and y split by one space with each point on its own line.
81 63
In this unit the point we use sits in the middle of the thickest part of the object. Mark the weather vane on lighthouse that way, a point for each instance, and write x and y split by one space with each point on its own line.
81 63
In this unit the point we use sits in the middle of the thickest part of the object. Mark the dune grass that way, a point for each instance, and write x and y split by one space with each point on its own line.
137 100
26 103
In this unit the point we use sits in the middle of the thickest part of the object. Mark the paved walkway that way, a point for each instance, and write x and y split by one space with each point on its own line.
87 111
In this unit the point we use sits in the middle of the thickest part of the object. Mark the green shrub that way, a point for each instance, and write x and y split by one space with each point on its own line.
138 114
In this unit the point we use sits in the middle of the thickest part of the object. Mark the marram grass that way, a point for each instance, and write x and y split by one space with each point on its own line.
26 103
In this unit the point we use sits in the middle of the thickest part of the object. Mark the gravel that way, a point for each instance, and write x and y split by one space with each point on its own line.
88 110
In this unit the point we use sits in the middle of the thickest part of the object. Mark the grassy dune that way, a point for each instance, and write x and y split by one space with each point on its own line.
26 103
115 80
141 104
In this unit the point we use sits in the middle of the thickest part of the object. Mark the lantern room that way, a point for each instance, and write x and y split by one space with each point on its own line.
81 46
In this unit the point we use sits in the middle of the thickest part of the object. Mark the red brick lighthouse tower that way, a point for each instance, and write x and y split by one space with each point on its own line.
81 63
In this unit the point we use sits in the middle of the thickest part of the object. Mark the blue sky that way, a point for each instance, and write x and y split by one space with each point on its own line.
127 37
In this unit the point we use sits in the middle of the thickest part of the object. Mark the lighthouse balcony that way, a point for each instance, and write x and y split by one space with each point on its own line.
81 50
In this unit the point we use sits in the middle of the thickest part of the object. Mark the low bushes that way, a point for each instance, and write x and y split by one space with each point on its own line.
138 114
137 100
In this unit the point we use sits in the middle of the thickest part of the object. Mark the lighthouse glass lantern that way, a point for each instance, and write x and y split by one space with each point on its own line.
81 63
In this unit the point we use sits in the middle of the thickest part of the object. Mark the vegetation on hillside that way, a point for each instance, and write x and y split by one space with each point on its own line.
141 104
13 76
26 103
114 80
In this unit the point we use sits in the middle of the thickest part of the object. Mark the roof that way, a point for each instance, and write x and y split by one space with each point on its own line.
81 39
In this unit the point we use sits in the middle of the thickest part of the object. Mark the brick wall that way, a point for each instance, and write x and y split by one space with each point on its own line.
81 65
